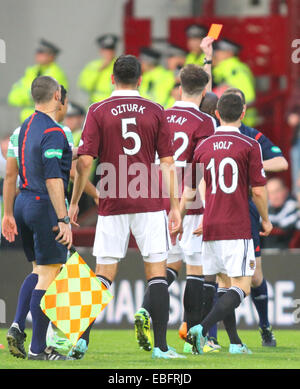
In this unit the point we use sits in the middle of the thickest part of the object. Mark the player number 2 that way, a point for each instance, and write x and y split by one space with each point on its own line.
182 148
235 173
130 134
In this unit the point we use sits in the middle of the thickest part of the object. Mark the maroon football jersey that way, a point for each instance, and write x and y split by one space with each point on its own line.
125 132
231 163
188 126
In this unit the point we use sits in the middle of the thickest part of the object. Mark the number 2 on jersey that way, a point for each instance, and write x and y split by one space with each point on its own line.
181 149
235 173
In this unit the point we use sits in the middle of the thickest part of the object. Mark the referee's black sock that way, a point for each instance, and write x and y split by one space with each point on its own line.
224 306
230 322
159 310
40 322
193 300
209 291
171 277
86 334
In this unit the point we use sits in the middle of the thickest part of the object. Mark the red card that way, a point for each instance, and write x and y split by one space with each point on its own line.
215 30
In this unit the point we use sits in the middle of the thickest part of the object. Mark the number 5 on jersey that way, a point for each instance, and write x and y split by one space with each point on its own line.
130 134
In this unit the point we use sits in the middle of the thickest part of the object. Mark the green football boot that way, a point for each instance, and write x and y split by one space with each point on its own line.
142 329
239 349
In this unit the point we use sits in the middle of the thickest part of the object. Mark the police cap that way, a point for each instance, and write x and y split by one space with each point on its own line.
196 31
227 45
175 51
107 41
75 109
47 47
148 54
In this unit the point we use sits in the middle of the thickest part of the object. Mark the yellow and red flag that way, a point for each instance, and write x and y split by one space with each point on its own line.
75 298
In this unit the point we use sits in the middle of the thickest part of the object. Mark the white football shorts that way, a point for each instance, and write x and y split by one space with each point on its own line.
150 230
235 258
189 248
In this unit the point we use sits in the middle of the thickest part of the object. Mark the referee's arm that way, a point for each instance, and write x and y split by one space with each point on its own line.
56 192
52 148
9 226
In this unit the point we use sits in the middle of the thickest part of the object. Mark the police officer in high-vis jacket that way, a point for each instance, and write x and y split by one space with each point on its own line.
157 81
175 59
229 71
194 34
95 78
45 65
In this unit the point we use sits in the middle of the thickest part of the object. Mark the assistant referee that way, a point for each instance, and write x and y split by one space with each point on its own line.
45 159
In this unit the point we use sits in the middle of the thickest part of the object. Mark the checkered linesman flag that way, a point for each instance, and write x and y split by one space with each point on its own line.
75 298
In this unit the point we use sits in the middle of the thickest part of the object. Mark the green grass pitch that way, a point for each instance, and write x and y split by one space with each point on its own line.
117 349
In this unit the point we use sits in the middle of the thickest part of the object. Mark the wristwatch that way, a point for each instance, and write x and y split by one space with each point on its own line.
207 61
65 220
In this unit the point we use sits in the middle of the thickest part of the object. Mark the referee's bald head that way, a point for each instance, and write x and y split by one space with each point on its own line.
43 89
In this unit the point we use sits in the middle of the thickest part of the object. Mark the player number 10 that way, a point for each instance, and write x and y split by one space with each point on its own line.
235 173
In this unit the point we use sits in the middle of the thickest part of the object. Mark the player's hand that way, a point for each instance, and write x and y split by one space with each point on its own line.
199 231
73 214
96 201
9 228
64 235
175 225
267 228
206 47
74 153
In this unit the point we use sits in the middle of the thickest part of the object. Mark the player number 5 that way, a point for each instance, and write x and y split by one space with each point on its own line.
130 134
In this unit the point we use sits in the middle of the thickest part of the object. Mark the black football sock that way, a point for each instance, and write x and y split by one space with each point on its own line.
171 277
40 322
193 300
159 310
23 305
230 322
209 291
224 306
259 297
213 331
86 334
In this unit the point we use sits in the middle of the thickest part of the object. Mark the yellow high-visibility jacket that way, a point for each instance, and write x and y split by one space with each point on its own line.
97 83
20 93
157 84
195 59
234 73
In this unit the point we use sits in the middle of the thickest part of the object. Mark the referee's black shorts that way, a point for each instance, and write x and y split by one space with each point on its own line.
35 218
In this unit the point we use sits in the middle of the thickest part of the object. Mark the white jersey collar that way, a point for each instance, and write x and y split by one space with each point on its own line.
125 92
227 129
186 104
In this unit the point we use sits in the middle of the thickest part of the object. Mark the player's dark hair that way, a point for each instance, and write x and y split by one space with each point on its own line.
43 88
230 107
63 94
127 70
236 91
209 103
193 79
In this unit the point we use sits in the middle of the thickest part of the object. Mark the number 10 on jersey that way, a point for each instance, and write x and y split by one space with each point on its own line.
221 176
